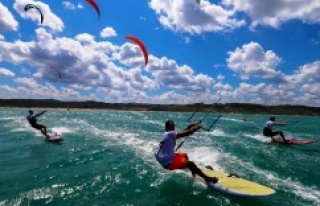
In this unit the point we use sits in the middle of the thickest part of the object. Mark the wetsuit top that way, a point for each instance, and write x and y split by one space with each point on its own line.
166 151
270 125
32 120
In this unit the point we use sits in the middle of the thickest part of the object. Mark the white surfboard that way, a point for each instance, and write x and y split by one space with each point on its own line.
55 137
232 184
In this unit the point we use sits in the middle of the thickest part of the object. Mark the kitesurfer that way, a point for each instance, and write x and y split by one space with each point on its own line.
270 125
33 122
171 160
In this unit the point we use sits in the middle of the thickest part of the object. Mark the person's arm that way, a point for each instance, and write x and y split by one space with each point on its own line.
41 113
189 130
281 123
190 126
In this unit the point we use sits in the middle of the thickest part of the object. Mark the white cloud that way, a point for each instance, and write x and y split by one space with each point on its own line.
276 12
50 19
167 73
85 38
85 63
71 6
185 16
130 54
252 61
308 73
270 94
171 97
312 90
6 73
108 32
7 21
29 88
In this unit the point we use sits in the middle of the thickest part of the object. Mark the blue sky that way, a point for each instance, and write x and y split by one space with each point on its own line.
265 52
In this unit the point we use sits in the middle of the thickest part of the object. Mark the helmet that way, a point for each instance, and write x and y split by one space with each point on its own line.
272 118
30 111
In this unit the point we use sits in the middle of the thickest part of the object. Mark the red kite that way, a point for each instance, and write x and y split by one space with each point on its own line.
142 47
94 5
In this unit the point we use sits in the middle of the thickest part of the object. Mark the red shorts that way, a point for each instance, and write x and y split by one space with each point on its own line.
179 161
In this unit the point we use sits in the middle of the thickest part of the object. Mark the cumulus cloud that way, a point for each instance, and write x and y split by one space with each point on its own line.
71 6
308 73
87 63
108 32
276 12
168 73
185 16
130 54
50 19
29 88
171 97
7 21
252 61
264 93
6 73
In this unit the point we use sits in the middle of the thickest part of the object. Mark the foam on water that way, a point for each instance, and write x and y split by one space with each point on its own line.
217 132
258 137
62 130
232 119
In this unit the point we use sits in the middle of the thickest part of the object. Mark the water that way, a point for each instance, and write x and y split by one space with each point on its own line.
107 158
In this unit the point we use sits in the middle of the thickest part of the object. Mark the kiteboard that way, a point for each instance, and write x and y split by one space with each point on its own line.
293 141
55 138
234 185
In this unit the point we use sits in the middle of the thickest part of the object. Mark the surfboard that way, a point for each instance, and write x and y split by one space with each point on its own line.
55 138
293 141
235 185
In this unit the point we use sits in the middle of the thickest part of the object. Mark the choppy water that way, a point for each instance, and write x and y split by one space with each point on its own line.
107 158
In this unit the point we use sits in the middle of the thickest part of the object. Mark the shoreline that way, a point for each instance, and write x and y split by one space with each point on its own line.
231 108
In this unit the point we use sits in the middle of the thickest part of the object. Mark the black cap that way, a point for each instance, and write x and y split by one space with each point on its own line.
272 118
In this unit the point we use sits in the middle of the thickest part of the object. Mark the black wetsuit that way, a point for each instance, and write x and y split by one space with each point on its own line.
33 122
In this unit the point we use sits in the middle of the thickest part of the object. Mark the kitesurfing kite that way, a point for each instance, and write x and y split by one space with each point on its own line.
32 6
54 68
94 5
142 47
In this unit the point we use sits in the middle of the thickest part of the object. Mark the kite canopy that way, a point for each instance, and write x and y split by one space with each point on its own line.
32 6
94 5
57 70
141 45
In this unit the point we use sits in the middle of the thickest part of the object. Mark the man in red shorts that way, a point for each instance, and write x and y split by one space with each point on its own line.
171 160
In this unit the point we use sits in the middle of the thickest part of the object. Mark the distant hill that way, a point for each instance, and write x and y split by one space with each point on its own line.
241 108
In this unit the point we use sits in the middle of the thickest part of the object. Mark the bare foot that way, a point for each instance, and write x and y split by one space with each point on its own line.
212 180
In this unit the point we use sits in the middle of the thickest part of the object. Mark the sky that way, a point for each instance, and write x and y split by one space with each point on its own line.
227 51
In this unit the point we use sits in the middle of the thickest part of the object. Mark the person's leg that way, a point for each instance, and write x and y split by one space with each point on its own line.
43 130
181 161
268 133
280 133
196 171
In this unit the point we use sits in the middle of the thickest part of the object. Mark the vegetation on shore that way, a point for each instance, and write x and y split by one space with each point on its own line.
241 108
